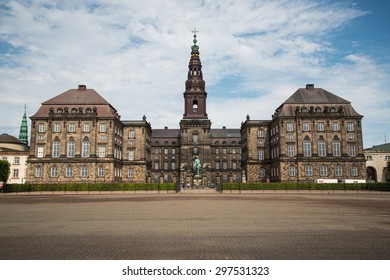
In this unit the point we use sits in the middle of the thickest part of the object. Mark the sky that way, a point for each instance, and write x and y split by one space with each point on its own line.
254 54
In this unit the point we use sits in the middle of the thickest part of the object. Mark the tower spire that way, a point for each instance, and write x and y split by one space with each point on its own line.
23 134
195 94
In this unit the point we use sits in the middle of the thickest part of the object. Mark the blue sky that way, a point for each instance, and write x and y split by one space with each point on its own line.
255 54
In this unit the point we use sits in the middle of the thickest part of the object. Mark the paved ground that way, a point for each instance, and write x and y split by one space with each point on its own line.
195 225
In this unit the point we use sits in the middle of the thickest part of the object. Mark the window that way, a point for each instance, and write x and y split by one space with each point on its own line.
352 150
323 170
217 151
290 136
351 136
262 172
224 151
290 126
309 170
195 137
56 149
321 148
339 170
173 165
84 171
320 126
16 160
156 151
72 127
195 106
217 165
166 151
69 171
40 152
57 127
261 154
354 171
102 151
234 165
85 148
260 133
132 134
54 171
130 173
101 171
41 127
306 148
86 127
290 151
336 148
195 151
233 151
156 165
166 165
102 127
291 171
335 126
350 126
173 151
306 126
15 173
38 172
224 165
71 149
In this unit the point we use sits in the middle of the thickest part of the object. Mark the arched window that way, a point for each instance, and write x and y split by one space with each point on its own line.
84 171
85 148
307 148
54 171
339 170
323 170
195 106
336 146
71 149
292 171
69 171
74 111
309 170
59 111
321 148
56 149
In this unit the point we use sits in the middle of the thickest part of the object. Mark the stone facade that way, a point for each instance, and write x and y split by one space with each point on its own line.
78 136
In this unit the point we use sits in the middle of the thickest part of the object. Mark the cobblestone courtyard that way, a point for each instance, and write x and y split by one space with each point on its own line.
195 226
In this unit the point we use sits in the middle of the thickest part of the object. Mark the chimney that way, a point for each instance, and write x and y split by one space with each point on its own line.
310 86
224 127
82 87
165 127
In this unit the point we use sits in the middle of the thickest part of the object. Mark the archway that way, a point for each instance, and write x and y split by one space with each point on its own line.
371 174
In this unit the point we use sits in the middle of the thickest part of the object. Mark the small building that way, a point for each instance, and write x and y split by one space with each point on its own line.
15 152
378 158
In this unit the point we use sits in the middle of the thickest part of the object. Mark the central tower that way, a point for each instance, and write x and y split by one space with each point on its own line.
195 125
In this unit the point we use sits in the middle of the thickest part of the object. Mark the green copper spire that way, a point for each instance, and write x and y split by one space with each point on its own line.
195 48
23 135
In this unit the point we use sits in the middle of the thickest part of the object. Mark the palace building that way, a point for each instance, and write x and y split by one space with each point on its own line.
78 136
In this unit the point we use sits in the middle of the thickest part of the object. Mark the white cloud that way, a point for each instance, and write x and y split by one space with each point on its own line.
136 53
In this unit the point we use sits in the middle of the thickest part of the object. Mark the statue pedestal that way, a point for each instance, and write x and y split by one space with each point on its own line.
197 181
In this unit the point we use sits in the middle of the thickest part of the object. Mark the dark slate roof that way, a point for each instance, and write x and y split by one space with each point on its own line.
77 98
380 148
166 133
6 138
225 133
314 96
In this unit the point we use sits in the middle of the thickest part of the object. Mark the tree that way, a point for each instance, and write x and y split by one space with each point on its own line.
4 171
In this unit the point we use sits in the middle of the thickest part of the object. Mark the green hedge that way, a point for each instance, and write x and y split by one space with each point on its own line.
304 186
103 187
